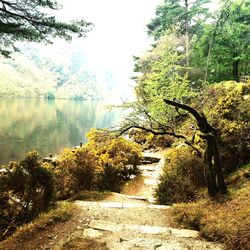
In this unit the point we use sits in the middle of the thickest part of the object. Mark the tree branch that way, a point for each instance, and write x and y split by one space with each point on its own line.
201 120
153 131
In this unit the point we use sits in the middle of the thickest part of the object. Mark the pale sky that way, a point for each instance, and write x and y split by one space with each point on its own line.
119 32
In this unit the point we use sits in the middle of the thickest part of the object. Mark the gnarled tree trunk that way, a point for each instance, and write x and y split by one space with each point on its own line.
213 169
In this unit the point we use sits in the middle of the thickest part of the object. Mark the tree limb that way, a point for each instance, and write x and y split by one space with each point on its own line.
153 131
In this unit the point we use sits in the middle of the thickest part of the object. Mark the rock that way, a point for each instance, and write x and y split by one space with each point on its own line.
92 233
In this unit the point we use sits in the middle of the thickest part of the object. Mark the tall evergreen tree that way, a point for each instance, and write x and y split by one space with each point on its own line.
227 40
28 20
182 16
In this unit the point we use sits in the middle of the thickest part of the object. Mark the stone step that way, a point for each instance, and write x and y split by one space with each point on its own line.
119 205
142 229
157 243
128 237
151 182
147 168
153 155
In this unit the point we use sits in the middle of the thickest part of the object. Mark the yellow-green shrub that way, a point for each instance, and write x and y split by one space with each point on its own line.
121 154
77 171
103 163
182 174
228 110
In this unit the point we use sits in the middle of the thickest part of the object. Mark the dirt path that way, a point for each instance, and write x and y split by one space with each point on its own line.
124 221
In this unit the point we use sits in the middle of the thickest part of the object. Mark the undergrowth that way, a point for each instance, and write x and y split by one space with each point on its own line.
59 214
223 218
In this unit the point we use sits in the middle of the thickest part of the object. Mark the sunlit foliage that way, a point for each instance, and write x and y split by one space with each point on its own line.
104 163
227 105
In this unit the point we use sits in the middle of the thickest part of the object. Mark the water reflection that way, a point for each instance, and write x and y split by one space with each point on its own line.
48 125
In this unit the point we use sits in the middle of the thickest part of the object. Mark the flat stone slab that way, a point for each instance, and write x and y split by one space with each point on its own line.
153 243
158 206
133 197
119 205
92 233
110 204
105 226
151 230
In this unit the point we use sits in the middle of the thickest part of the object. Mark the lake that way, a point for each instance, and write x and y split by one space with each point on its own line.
48 126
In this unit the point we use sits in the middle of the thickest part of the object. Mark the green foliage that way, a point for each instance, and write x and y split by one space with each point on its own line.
161 76
49 95
28 21
182 175
223 50
216 42
26 189
33 74
172 16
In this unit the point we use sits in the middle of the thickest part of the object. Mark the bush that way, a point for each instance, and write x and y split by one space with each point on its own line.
182 174
123 155
103 163
110 179
76 171
227 106
26 189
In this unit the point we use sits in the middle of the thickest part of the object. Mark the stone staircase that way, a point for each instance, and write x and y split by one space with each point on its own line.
136 222
137 226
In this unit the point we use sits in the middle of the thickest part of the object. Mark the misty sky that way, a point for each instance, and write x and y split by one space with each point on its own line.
119 30
119 33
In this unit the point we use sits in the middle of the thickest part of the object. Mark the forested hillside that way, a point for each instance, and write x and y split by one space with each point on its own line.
64 73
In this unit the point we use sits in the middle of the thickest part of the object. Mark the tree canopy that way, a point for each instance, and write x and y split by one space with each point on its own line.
29 20
178 16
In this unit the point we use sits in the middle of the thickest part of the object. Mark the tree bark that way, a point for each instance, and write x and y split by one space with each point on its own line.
236 70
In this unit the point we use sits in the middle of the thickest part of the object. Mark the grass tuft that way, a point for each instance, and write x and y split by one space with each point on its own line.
80 243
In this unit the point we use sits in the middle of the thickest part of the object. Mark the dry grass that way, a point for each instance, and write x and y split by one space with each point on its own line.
133 186
77 243
62 213
224 218
91 195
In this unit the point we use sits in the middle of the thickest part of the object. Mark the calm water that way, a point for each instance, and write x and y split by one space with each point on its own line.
48 125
